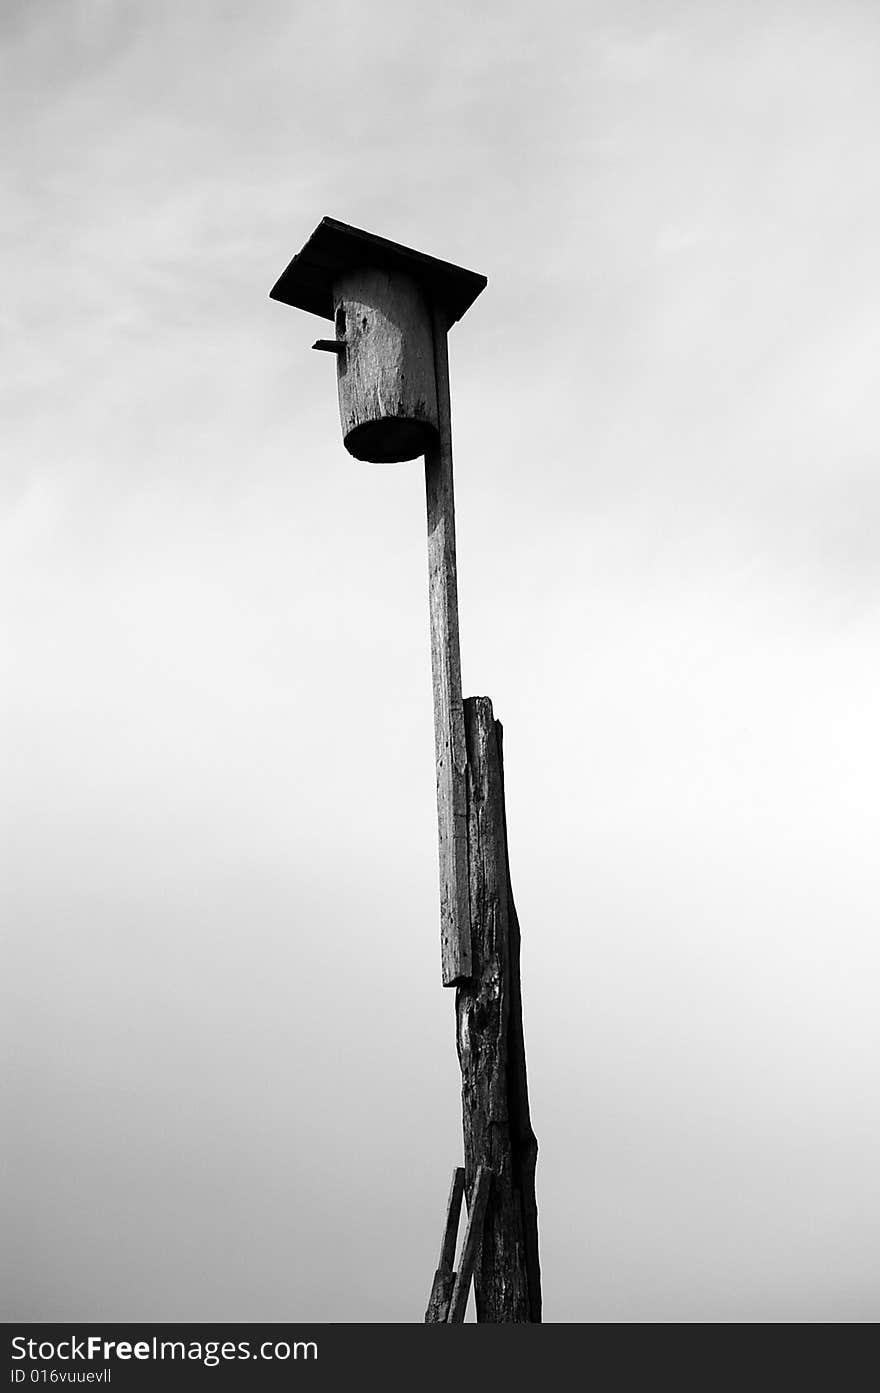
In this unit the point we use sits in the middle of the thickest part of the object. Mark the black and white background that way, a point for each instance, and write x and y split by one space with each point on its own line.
232 1090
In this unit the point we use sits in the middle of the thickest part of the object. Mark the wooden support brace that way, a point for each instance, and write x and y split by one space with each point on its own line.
444 1277
449 738
491 1050
471 1248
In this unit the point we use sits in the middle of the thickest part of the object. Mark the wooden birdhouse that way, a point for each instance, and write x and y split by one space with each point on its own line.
384 300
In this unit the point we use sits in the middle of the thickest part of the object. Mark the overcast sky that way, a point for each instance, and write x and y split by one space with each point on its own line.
233 1090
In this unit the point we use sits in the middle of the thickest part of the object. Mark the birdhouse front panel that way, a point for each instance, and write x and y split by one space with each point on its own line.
386 376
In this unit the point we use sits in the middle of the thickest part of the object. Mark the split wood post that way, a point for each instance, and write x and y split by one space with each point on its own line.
495 1107
444 1277
470 1249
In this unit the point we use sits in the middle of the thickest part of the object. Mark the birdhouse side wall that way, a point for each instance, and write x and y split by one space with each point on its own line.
386 376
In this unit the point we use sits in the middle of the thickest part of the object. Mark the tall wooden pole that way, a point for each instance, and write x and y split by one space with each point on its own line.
455 945
479 932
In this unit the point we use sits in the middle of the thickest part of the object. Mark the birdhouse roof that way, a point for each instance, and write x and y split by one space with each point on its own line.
335 248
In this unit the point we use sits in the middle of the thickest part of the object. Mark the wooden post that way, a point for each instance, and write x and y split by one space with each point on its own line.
446 670
495 1108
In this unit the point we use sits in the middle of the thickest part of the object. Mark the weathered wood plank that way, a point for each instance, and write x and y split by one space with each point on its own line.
444 1277
453 1210
471 1247
449 737
495 1111
441 1295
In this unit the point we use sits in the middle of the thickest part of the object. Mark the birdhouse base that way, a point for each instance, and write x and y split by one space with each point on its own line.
391 440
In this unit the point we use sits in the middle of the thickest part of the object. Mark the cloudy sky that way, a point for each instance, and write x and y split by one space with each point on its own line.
233 1090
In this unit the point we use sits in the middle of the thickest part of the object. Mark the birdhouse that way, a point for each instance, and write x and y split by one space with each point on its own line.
387 304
